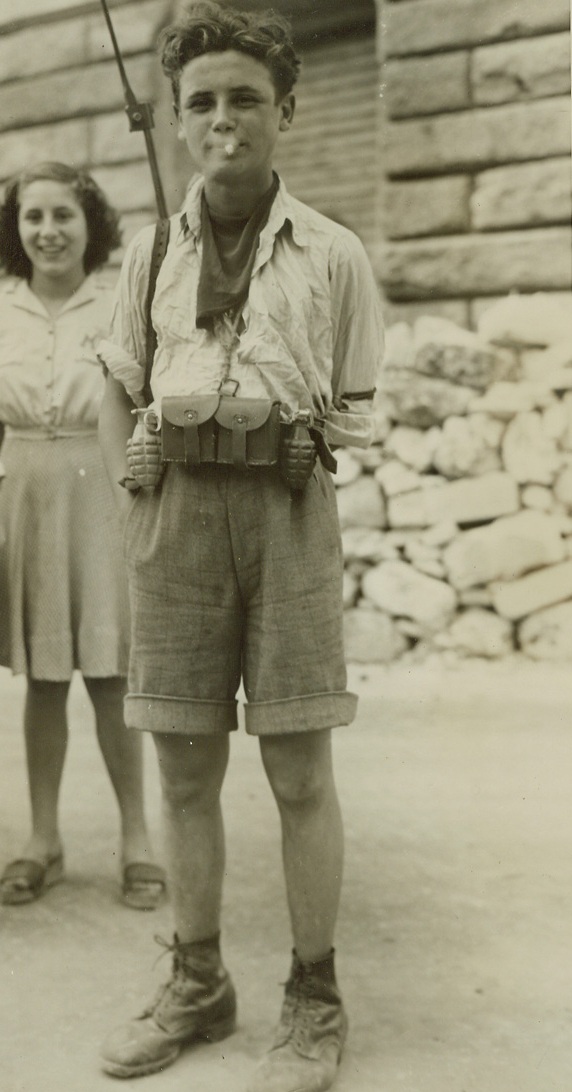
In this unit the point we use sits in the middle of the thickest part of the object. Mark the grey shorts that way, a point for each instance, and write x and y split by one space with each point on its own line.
232 578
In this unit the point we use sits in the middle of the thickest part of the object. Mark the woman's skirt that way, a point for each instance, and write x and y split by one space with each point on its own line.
63 593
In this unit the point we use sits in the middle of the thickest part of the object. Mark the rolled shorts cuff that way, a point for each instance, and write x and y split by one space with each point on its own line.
180 716
304 713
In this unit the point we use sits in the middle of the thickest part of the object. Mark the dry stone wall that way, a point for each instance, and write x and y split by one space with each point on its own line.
475 194
457 522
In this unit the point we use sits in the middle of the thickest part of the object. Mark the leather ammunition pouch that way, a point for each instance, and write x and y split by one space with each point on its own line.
215 428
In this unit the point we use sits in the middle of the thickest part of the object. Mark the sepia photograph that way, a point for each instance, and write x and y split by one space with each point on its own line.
285 333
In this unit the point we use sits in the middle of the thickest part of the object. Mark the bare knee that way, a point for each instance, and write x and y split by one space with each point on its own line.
191 771
299 770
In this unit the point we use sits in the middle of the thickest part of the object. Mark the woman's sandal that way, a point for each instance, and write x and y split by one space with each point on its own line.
24 880
144 885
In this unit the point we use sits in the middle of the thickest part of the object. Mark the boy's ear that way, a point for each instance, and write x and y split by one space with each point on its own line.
287 107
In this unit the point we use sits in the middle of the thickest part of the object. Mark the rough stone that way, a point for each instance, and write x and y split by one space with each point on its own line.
476 139
528 68
566 439
90 90
478 632
547 634
422 401
57 46
402 591
446 351
440 534
481 305
371 636
427 85
474 264
111 141
533 592
470 500
554 421
348 468
127 187
563 487
135 35
53 142
369 458
476 597
395 478
430 566
503 550
399 349
350 589
505 400
546 365
419 27
536 319
417 549
361 504
406 311
528 454
537 497
489 429
462 451
522 196
380 421
436 206
414 447
366 544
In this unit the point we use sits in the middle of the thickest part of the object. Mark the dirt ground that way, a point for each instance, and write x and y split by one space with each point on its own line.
454 933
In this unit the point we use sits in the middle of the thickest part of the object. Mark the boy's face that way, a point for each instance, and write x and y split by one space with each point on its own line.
230 118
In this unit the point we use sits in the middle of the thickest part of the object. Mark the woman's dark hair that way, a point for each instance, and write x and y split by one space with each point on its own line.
103 234
208 27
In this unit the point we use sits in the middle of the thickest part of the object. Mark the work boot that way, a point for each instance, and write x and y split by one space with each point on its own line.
311 1033
198 1002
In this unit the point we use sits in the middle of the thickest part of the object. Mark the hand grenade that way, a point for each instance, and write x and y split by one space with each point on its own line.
144 450
297 451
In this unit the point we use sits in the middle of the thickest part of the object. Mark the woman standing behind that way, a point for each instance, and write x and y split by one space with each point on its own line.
64 603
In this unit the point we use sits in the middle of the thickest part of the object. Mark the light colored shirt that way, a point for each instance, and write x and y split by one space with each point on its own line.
311 329
50 377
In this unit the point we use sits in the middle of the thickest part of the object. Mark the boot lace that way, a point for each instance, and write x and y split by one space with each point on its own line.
303 1004
175 985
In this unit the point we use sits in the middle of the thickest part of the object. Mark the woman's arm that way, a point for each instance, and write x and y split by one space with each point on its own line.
116 424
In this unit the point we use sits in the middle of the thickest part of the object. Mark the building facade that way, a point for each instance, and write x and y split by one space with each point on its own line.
439 130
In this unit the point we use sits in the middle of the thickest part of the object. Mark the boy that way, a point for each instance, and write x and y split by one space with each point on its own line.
234 574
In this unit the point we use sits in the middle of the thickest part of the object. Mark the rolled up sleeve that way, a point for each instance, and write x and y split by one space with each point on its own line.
357 345
123 353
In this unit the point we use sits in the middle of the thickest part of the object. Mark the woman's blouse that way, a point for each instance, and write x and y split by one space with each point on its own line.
50 377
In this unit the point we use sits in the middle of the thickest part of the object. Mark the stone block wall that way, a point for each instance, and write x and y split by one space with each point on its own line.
457 522
66 102
475 194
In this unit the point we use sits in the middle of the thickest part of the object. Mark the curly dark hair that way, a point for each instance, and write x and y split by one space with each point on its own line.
103 234
209 27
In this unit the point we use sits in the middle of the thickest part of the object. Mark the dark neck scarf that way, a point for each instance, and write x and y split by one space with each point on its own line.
229 250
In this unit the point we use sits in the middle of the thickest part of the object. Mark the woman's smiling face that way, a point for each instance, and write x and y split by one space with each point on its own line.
53 230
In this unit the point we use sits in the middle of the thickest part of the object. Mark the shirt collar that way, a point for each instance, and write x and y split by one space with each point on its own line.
284 209
23 296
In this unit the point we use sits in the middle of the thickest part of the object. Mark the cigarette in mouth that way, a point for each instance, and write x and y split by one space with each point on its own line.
230 149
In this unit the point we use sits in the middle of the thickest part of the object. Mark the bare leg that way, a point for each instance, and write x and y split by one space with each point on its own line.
192 774
46 735
122 752
299 769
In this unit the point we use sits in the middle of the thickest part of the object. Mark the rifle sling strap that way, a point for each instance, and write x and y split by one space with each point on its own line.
160 244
